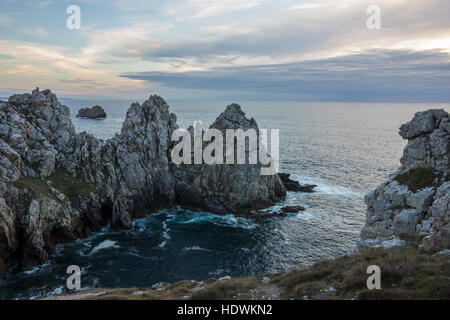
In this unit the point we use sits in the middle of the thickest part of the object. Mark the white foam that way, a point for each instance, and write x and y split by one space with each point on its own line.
219 272
165 234
381 243
107 244
306 215
228 220
37 268
166 230
162 244
57 291
325 187
195 248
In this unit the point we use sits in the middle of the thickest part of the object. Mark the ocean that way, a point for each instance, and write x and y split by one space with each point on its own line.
346 149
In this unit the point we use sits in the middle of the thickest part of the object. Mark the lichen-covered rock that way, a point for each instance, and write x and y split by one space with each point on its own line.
414 204
226 188
57 185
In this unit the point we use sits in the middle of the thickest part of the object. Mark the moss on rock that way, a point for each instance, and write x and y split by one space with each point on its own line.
69 185
417 178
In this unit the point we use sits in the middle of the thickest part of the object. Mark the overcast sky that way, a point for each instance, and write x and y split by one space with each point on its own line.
236 49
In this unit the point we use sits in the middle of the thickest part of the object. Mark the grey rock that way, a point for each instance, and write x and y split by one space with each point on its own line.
422 199
425 227
95 112
423 122
395 211
228 187
292 185
57 185
445 124
406 221
445 252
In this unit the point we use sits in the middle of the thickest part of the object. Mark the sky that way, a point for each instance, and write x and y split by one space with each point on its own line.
309 50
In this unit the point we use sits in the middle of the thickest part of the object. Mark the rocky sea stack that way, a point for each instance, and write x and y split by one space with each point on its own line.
96 112
413 206
57 185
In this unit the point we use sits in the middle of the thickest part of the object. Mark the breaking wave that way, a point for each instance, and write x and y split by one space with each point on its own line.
107 244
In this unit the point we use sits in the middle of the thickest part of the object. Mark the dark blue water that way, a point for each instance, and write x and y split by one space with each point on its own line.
347 149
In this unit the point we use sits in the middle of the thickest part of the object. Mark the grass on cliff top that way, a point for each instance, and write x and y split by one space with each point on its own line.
417 178
61 180
406 273
35 185
69 185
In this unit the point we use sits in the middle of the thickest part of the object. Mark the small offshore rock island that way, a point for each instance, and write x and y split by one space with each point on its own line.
58 185
96 112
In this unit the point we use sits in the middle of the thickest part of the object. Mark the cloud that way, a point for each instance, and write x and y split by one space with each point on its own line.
189 9
30 65
376 75
211 8
235 45
35 31
310 30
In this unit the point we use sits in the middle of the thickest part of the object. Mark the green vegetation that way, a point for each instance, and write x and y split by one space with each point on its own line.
34 166
411 238
406 273
416 178
36 186
69 185
60 180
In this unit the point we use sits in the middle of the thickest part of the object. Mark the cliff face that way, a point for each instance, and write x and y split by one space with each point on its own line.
227 188
57 185
414 204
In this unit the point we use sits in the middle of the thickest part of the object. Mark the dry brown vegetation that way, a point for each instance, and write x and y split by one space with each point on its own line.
406 273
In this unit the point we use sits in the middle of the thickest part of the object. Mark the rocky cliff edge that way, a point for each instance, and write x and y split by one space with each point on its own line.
413 206
57 185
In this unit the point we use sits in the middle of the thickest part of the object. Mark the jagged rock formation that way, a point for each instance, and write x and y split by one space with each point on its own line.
57 185
228 187
414 204
131 170
96 112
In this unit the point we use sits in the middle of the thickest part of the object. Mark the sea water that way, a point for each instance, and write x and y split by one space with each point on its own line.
346 149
